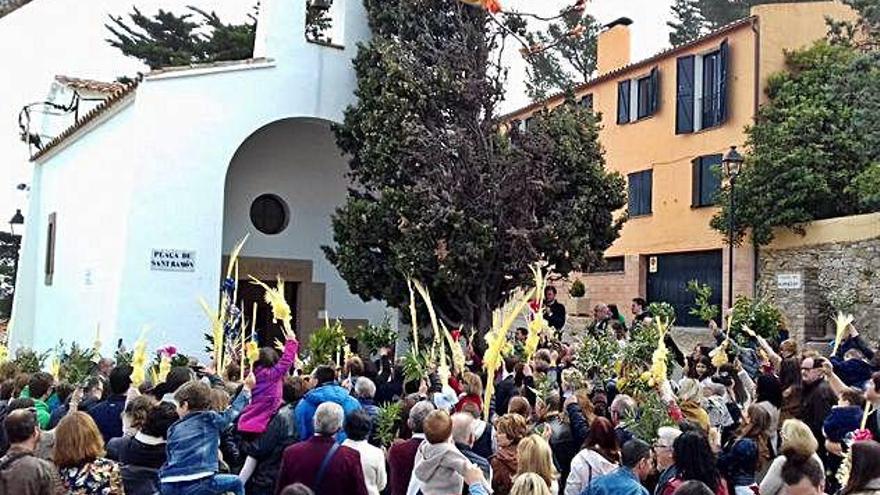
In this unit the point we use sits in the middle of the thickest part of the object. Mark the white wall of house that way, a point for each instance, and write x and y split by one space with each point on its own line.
298 161
88 187
178 139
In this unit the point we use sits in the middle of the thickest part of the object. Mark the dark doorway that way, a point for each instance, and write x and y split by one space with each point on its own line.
267 331
673 272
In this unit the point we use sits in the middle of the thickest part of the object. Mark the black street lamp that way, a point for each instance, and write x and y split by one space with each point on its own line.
732 165
17 219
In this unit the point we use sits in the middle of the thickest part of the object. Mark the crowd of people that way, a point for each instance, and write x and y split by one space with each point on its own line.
774 419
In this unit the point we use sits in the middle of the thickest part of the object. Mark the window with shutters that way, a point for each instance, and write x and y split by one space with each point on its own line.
701 90
638 98
527 124
623 100
684 105
586 101
51 231
644 94
711 89
706 180
639 193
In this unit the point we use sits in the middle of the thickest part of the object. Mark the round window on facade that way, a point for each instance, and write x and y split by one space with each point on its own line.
269 214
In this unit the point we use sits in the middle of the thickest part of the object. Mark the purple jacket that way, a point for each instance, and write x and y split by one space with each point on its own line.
266 397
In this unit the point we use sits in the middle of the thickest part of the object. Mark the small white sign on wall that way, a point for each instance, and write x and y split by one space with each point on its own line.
652 264
788 281
173 260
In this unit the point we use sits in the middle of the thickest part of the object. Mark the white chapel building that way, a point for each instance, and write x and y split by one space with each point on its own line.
135 206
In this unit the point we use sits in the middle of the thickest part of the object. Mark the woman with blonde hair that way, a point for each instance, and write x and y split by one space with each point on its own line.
510 428
534 456
529 484
79 455
798 442
472 391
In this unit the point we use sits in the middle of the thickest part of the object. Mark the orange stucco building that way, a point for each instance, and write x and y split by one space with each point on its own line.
666 121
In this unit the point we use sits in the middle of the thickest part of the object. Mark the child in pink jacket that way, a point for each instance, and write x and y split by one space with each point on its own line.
266 398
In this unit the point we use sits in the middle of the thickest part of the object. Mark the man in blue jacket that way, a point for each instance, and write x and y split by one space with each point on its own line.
636 464
108 413
326 390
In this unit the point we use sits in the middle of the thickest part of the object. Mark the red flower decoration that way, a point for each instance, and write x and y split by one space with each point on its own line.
862 436
493 6
456 333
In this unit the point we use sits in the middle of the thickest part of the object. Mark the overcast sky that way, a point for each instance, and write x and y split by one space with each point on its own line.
50 37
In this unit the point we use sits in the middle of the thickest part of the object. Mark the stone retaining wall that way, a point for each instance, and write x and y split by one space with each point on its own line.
810 282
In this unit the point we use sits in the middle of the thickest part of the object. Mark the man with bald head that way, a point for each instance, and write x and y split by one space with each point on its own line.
20 471
464 438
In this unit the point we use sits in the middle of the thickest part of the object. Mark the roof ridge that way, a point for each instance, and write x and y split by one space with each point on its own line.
114 98
614 72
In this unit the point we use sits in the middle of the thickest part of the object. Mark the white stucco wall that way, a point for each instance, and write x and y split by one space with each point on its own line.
88 186
298 161
177 140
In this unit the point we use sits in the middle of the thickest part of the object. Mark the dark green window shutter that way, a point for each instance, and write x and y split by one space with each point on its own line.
696 178
684 105
724 72
623 102
655 90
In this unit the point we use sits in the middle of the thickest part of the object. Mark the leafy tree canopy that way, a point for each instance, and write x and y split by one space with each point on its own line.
440 191
815 146
8 252
168 39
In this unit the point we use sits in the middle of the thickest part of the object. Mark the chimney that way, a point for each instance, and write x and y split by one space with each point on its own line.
613 46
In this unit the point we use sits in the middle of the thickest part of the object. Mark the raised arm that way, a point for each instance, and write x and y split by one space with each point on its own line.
288 357
836 383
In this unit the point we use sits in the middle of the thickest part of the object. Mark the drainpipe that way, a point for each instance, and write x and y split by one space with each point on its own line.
756 28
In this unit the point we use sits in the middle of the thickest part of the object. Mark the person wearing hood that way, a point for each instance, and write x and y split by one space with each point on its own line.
439 467
511 429
326 390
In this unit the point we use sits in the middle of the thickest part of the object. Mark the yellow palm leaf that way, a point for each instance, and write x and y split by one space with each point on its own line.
280 309
842 322
435 326
139 359
164 367
233 256
217 335
412 316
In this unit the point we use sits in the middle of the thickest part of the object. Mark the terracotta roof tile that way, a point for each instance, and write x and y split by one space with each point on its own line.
108 103
119 93
90 84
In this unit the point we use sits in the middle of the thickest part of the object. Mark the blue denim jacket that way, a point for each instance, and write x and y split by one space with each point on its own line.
194 440
621 481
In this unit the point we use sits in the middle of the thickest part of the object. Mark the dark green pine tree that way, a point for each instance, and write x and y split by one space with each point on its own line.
168 39
570 60
688 22
441 191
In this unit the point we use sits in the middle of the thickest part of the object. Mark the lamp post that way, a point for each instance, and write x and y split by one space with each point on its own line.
732 165
17 219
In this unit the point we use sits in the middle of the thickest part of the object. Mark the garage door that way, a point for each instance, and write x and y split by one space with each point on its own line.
668 282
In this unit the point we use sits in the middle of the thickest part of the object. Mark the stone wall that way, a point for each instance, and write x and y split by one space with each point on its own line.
810 282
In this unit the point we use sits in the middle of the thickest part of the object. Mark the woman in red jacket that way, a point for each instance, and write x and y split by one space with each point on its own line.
473 391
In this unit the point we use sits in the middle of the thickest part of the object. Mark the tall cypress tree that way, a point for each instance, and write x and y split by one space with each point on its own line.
442 191
168 39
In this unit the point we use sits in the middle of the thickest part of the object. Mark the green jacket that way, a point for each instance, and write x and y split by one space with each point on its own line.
43 413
